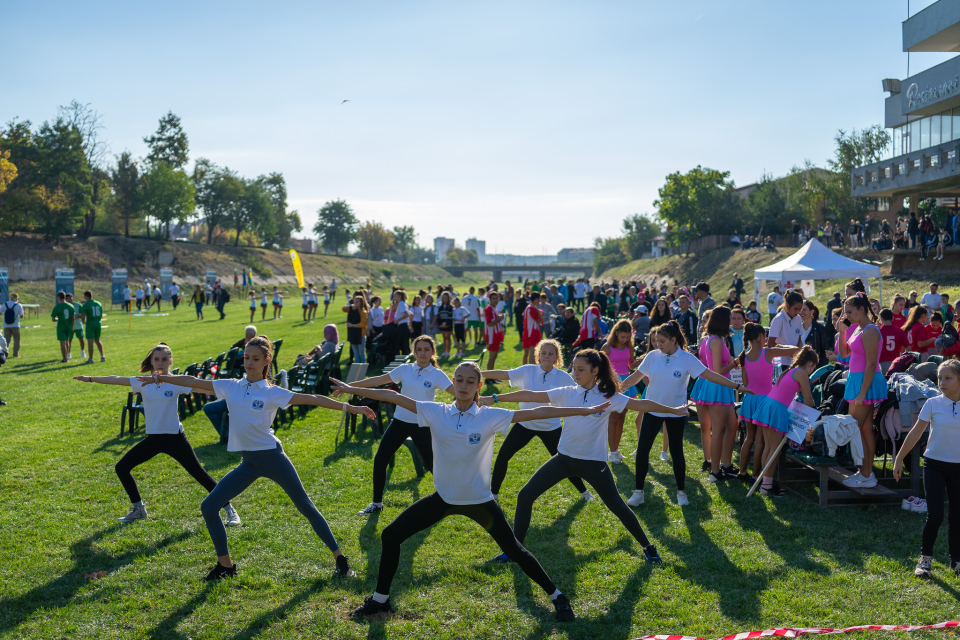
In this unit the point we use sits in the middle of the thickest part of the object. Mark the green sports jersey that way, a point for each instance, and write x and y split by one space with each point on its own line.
94 311
77 322
64 313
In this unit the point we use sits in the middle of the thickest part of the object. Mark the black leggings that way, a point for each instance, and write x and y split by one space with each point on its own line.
517 439
174 445
392 440
649 428
941 480
426 512
595 472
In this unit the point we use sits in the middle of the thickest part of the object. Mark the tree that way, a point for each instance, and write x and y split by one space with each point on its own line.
284 223
125 180
638 231
169 144
254 211
404 240
336 226
62 182
89 123
168 194
458 256
697 203
18 202
8 171
765 208
218 191
608 253
374 240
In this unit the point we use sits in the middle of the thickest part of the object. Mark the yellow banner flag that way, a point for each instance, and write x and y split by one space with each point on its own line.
297 267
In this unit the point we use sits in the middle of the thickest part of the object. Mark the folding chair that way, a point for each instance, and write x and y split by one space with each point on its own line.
133 408
276 351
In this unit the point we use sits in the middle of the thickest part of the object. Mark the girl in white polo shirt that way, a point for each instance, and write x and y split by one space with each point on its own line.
164 432
253 403
582 451
941 468
420 381
463 434
547 374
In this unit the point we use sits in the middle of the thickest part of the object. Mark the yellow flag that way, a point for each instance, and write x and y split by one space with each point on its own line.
297 267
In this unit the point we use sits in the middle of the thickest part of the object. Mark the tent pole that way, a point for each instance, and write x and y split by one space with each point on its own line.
880 290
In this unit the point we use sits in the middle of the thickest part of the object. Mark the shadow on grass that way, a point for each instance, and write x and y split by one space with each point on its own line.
167 628
46 366
264 621
87 558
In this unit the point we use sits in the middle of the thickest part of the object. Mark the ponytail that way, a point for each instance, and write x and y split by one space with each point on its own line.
608 382
791 299
857 285
671 329
751 331
805 356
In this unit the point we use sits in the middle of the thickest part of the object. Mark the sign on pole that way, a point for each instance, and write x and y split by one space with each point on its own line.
64 282
118 282
799 419
166 281
4 286
211 278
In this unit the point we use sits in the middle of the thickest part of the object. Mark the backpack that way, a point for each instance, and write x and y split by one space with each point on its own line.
9 315
900 364
225 295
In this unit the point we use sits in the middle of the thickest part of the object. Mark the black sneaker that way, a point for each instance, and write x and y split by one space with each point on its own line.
221 571
650 553
731 471
343 567
717 476
705 466
564 611
371 607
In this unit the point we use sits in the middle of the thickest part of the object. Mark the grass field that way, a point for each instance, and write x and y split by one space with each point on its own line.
731 564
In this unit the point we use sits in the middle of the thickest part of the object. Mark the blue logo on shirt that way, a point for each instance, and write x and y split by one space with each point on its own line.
677 374
474 438
168 394
257 404
427 384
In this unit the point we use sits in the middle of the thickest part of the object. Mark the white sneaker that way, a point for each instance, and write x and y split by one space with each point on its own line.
920 506
103 358
70 355
233 518
866 483
137 512
83 354
682 499
446 354
615 457
587 496
855 479
370 509
907 503
665 456
636 499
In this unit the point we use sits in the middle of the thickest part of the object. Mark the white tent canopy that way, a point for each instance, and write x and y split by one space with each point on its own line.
813 262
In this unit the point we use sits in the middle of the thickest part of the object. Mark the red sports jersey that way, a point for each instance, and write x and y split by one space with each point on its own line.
586 323
531 321
892 340
899 320
915 335
493 328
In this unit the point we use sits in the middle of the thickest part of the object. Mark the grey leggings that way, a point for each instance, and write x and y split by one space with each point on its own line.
560 467
275 465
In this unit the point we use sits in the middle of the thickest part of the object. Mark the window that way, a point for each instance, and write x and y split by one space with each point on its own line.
915 134
858 180
887 173
883 204
945 127
956 124
934 130
924 133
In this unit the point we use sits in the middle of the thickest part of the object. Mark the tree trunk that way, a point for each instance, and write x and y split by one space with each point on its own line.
209 232
126 224
236 242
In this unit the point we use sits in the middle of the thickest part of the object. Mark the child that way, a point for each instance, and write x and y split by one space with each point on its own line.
253 403
164 432
531 335
945 308
313 301
493 327
277 303
326 300
445 321
253 304
916 332
752 314
892 340
619 350
263 302
934 330
305 305
941 468
460 315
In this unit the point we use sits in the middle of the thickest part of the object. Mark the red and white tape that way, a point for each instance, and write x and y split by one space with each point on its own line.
796 633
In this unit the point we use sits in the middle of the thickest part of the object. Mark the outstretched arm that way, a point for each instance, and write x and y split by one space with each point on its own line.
118 380
496 374
366 383
646 406
180 381
631 380
329 403
517 396
542 413
712 376
383 395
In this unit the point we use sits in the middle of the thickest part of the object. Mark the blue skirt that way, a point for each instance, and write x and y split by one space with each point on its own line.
771 414
875 394
632 391
706 392
750 407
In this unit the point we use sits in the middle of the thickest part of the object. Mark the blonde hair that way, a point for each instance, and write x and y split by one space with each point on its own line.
551 343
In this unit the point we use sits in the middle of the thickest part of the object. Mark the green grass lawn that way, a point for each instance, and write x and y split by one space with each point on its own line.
731 564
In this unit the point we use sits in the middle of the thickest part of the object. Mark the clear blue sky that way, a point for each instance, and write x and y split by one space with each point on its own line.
532 125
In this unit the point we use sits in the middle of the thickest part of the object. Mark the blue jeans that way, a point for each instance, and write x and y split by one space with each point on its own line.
509 311
199 309
359 350
217 412
275 465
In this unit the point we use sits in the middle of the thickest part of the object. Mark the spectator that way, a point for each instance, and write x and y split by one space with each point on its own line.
752 314
568 332
828 234
835 303
913 229
737 319
704 303
911 301
248 334
555 298
733 299
12 313
661 313
813 333
853 233
796 233
933 300
223 297
774 300
737 284
927 229
687 320
946 310
787 326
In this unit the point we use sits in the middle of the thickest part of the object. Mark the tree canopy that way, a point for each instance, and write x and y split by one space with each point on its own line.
336 226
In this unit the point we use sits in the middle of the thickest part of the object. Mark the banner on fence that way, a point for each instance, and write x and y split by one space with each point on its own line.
63 282
166 281
118 282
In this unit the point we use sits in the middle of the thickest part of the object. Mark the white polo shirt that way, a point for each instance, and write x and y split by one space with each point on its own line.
531 377
463 448
669 376
774 300
585 437
417 384
252 407
471 303
944 418
160 405
932 301
788 332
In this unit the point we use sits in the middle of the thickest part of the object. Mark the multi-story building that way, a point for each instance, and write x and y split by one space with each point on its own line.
480 246
441 246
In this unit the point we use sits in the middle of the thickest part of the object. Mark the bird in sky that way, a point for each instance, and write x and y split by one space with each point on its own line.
345 101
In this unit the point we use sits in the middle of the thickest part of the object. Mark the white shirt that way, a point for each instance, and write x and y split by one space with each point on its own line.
471 303
401 314
17 312
253 302
774 300
417 313
531 377
944 417
787 331
463 448
139 294
174 290
459 315
419 384
160 405
669 376
585 437
306 297
263 298
578 290
147 289
932 301
252 407
312 296
376 316
126 294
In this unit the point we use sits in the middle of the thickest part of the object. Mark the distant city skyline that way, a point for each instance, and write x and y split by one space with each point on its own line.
535 126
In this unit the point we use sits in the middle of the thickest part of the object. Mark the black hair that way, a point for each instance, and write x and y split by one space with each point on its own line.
886 314
857 285
671 329
719 322
608 382
751 331
804 356
861 301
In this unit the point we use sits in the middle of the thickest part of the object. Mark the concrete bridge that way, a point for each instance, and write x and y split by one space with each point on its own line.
555 268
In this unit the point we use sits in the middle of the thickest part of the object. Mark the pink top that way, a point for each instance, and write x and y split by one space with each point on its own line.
759 374
786 388
620 359
858 355
706 356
